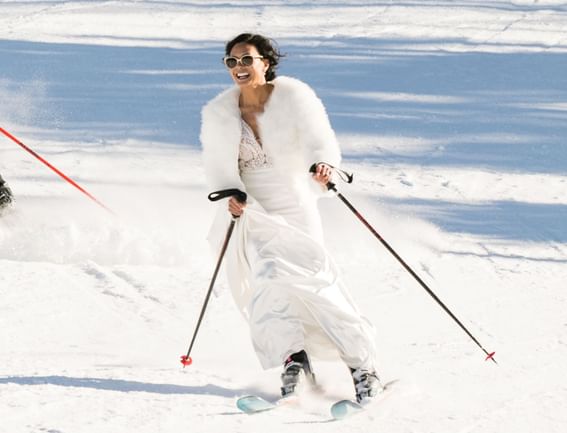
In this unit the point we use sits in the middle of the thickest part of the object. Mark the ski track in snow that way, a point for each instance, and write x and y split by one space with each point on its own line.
452 117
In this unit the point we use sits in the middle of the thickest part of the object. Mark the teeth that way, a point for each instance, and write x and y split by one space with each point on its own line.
242 75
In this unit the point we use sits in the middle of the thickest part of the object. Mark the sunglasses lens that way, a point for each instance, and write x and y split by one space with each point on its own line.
230 62
247 60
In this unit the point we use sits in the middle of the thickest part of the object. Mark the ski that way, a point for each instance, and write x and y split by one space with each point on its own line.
346 408
252 404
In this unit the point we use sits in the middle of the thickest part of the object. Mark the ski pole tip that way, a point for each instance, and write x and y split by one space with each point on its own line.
186 360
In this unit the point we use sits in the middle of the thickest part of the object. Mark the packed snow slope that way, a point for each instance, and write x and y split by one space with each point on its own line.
453 117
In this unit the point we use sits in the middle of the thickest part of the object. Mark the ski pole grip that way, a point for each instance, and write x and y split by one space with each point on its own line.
231 192
345 177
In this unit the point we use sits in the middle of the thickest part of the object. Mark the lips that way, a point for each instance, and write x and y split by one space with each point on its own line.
242 75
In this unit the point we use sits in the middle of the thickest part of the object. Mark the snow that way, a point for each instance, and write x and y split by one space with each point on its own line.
452 115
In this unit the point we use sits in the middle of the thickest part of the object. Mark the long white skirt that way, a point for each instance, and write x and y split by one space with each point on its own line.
285 283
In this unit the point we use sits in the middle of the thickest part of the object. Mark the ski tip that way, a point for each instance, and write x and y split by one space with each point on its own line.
252 404
491 357
345 408
186 360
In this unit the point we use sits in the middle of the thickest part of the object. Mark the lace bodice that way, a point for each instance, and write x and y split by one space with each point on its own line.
251 156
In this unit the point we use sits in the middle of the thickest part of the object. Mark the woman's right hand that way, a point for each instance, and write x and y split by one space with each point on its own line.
236 207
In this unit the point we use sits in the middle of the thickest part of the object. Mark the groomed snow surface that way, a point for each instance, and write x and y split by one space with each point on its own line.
453 117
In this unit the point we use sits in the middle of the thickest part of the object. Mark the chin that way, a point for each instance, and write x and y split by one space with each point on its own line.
249 83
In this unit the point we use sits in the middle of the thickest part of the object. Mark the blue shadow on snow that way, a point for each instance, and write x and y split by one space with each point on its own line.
498 111
122 385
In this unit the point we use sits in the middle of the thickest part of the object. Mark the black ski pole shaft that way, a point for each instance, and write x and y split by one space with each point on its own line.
186 359
214 196
331 187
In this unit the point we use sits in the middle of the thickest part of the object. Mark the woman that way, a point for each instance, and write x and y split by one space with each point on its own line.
262 136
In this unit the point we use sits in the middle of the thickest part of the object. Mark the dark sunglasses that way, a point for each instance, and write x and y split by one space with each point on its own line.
246 60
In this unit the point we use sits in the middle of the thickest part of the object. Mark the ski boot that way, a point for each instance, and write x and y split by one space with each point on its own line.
296 365
366 384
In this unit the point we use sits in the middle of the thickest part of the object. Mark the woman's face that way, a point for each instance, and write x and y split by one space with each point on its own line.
252 75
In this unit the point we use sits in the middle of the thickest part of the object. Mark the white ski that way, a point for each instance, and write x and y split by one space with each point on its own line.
346 408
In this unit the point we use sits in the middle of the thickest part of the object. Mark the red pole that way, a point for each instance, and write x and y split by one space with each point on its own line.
56 170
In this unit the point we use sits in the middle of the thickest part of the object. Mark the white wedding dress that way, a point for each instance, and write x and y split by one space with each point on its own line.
280 274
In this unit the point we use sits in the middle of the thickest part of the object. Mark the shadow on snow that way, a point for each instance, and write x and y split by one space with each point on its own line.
499 111
122 385
503 111
533 222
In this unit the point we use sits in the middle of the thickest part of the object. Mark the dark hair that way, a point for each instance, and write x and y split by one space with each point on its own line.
266 47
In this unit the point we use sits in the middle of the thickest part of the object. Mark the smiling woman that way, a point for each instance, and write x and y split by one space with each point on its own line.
262 136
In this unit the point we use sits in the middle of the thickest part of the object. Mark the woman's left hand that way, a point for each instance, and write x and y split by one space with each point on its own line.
236 207
323 173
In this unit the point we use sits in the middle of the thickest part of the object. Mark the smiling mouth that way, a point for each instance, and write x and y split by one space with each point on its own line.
242 75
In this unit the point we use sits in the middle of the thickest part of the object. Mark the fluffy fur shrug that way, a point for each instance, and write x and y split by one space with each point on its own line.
294 128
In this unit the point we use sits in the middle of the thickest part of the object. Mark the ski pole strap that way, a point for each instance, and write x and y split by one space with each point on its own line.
231 192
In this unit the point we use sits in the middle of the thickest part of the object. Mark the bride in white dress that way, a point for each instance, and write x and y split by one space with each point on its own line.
261 136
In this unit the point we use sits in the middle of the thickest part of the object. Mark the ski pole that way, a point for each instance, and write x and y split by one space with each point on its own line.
214 196
331 187
63 175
